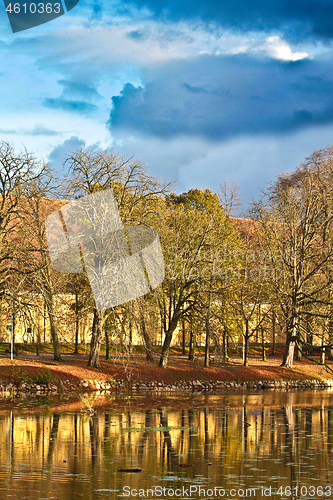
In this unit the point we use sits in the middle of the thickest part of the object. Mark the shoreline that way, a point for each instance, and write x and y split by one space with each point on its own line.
16 391
38 377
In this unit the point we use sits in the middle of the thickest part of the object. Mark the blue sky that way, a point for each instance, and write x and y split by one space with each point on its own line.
202 92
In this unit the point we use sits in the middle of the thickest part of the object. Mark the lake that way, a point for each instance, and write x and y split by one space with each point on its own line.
204 445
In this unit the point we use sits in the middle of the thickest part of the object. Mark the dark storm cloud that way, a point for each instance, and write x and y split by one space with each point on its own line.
80 107
298 17
220 97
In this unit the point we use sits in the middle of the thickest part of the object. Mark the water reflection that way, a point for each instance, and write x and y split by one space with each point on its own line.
231 441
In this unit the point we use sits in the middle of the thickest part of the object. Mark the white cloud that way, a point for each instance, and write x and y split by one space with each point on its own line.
142 43
279 49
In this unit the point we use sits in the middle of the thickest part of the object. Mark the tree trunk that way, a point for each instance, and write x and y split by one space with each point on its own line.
309 336
322 354
246 344
54 335
290 344
263 344
299 346
207 345
13 333
38 341
107 341
289 354
130 338
246 350
76 349
329 350
191 348
96 337
273 333
183 337
167 342
145 335
225 345
208 326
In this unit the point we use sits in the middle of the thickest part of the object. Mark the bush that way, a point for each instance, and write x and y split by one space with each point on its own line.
45 377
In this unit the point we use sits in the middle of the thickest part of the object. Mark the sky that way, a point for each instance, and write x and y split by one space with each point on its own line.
201 91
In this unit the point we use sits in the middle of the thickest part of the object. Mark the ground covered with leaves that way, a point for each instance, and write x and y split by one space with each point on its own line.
137 369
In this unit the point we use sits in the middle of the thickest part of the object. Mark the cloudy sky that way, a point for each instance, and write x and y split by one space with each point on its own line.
201 91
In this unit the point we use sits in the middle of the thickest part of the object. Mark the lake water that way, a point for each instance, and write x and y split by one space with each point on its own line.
200 446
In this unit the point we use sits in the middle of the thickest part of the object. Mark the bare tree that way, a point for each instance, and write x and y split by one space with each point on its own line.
78 288
230 198
22 186
18 173
295 220
136 193
35 262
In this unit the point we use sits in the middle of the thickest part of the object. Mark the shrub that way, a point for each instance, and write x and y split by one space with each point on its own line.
45 377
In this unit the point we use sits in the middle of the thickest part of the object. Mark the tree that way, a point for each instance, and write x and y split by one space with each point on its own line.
295 220
23 183
136 193
79 287
230 198
18 174
246 290
194 227
142 316
35 260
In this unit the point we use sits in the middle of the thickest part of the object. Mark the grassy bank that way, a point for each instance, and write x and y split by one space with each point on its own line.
137 370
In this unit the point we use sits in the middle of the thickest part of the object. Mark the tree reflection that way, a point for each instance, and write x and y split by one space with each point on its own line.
289 452
94 439
168 449
244 437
